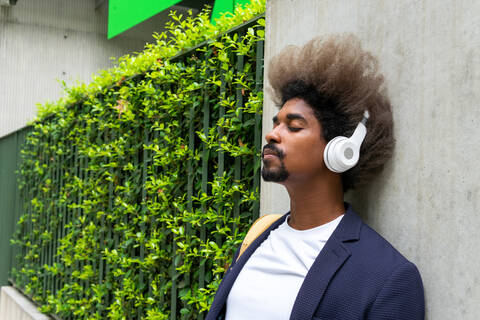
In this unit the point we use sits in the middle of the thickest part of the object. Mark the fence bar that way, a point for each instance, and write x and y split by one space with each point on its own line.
189 123
48 215
111 137
205 156
48 211
143 211
54 227
88 173
101 140
163 244
258 126
221 154
32 213
137 200
61 204
191 150
44 217
72 171
31 209
76 211
174 275
81 211
238 160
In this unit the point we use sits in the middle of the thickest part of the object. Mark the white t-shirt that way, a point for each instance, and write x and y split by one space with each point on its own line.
268 284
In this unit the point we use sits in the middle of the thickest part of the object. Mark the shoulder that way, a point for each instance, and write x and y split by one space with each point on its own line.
389 274
375 278
368 250
373 259
376 252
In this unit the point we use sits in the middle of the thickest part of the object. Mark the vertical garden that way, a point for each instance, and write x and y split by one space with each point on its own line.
137 188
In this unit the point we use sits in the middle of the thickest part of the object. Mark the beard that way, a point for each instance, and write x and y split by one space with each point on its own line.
279 175
274 175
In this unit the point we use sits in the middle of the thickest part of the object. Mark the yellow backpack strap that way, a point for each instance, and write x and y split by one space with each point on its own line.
257 228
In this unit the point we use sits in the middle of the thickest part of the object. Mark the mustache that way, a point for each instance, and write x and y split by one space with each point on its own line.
274 148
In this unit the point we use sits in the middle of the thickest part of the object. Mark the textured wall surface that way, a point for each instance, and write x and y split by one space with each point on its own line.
43 41
427 199
15 306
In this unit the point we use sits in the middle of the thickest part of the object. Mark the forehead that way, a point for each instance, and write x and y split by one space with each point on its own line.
297 106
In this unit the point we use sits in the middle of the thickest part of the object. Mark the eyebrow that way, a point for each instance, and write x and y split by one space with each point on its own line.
296 116
291 117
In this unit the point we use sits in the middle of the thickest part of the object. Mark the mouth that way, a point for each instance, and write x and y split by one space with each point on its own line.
270 153
269 156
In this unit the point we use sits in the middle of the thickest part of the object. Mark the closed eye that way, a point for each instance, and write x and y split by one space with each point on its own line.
294 129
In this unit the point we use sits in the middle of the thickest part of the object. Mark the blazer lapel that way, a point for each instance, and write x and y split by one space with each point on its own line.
330 259
234 270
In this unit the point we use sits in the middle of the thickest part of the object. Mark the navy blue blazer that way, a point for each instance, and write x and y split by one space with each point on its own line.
357 275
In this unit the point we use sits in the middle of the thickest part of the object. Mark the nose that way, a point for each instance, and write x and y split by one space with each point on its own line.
273 136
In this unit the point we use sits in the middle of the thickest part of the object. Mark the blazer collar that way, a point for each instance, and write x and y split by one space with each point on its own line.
349 227
331 258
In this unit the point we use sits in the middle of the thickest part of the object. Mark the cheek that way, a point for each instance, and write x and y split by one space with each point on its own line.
308 155
317 153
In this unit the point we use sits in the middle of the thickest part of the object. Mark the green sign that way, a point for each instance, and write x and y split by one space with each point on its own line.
125 14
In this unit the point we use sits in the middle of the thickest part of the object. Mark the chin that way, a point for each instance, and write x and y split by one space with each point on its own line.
279 175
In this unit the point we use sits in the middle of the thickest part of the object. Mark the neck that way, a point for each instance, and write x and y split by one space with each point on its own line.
315 202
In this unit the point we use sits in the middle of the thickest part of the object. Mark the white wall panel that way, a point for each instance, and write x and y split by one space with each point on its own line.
42 41
15 306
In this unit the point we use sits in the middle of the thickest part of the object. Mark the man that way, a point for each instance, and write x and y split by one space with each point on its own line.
320 261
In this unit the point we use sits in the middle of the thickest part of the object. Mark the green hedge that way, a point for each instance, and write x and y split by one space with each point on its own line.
137 194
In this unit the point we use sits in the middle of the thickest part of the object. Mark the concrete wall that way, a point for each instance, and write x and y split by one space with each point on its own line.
426 202
15 306
42 41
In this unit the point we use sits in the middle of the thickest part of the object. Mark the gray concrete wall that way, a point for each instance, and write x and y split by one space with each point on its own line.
427 199
43 41
15 306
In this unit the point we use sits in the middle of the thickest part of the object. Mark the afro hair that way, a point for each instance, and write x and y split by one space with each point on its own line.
339 80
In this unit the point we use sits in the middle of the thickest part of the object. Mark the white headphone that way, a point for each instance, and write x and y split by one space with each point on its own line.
342 153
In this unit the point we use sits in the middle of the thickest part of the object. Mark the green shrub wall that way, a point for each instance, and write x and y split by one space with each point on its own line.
135 197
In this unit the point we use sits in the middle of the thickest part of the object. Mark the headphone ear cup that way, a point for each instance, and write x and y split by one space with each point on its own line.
329 154
341 154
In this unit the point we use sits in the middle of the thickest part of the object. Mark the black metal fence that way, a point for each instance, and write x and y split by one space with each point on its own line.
119 232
